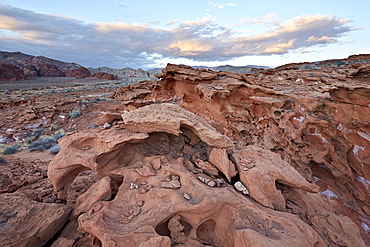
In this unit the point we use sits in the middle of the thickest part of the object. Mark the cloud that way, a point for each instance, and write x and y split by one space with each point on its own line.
122 5
221 6
172 22
267 18
122 44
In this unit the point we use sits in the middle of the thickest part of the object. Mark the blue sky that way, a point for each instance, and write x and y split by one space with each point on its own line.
148 34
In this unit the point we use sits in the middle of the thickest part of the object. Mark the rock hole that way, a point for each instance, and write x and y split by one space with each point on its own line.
206 232
116 182
282 187
234 179
177 230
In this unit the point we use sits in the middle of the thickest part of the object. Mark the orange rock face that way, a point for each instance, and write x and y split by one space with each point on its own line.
277 157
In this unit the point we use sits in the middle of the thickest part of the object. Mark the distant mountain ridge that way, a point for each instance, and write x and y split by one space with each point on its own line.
22 60
231 68
125 72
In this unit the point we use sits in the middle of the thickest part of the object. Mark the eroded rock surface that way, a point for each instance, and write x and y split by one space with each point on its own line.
24 222
202 158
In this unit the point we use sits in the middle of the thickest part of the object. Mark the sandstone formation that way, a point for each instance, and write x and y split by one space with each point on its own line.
274 157
159 197
9 72
310 119
81 72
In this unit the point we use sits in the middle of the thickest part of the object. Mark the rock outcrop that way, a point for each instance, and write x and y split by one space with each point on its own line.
158 197
81 72
9 72
304 118
276 157
42 221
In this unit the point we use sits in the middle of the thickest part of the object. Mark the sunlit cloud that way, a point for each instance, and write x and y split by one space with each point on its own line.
172 22
122 44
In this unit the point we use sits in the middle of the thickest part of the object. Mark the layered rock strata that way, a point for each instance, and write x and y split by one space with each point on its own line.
203 158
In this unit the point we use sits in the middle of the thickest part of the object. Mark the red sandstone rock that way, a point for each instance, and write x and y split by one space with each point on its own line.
81 72
28 223
107 117
10 72
149 207
315 121
167 166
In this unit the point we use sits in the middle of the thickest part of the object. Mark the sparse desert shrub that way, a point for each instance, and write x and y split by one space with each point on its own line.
3 161
54 149
308 67
11 149
42 144
33 135
58 136
75 114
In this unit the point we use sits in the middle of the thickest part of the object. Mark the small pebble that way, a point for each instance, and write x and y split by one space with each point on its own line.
186 196
240 187
133 186
211 184
107 126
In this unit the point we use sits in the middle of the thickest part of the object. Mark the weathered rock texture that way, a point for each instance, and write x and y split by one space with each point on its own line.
276 157
24 222
309 117
149 172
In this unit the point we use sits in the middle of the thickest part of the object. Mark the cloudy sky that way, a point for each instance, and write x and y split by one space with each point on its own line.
149 34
